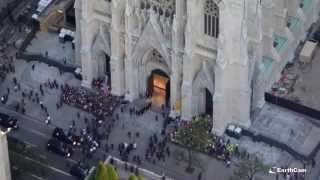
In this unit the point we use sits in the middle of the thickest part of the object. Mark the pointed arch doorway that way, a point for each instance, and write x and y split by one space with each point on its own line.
159 88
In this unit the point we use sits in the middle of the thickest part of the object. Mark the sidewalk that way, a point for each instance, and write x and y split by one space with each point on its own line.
30 80
49 42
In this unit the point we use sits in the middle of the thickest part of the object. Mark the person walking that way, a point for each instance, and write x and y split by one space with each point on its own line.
200 176
48 120
41 105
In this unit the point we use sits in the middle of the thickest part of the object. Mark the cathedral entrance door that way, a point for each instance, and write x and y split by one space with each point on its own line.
159 87
209 103
108 69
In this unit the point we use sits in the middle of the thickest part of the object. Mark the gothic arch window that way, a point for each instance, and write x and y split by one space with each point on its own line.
211 19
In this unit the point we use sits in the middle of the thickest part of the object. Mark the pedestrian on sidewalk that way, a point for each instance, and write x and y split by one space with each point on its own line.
17 107
48 120
14 80
33 65
200 176
41 91
41 105
313 163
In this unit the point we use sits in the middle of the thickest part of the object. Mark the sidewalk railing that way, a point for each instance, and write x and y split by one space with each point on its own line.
40 58
28 39
21 54
280 145
292 105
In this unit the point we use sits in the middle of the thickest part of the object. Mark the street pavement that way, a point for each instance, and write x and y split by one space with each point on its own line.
36 134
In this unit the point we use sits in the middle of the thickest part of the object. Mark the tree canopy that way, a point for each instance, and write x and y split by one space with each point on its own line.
140 177
195 135
133 177
111 172
101 172
105 172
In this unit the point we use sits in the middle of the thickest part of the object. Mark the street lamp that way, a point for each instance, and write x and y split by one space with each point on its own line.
4 156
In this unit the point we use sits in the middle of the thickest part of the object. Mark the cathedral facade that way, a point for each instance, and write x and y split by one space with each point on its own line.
214 57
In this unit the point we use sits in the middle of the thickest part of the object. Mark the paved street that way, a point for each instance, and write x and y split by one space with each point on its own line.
36 134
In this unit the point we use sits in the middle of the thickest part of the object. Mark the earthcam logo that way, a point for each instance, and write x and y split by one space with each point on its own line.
275 170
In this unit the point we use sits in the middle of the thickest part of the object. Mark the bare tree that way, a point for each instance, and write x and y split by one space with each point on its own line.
246 169
195 136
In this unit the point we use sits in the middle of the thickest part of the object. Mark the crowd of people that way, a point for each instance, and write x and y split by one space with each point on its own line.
6 66
98 83
140 109
100 104
157 149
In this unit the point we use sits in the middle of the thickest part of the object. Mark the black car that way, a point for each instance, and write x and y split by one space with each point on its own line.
67 138
8 122
59 147
79 171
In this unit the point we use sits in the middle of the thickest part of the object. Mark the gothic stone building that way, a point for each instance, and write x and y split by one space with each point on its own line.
201 56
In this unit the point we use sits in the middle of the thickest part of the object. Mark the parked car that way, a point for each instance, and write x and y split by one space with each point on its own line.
65 137
58 147
7 121
234 131
79 171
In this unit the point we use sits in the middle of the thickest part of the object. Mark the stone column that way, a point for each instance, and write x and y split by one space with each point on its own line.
259 84
131 68
77 6
87 69
175 83
117 76
117 61
87 64
186 96
5 173
232 87
177 56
